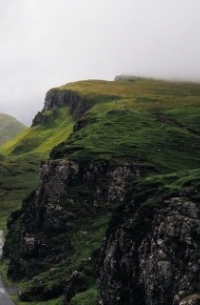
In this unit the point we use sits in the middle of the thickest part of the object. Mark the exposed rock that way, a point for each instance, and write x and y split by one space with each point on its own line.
125 78
152 255
67 194
55 99
82 123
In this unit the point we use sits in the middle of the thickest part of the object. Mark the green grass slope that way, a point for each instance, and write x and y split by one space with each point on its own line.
146 119
152 122
41 138
9 127
21 157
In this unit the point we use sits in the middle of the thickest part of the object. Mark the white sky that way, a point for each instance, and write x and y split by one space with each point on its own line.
46 43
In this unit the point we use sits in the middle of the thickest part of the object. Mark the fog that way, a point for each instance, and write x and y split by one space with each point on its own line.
46 43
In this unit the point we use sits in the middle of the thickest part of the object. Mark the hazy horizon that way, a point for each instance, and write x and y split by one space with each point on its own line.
48 43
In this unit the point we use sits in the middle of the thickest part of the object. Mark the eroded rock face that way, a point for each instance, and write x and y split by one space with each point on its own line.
152 256
67 194
55 99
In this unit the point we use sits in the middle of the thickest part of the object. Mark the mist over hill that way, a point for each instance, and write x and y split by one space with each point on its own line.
9 127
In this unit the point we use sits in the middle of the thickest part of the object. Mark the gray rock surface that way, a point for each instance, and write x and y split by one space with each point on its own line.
67 194
151 253
152 256
55 99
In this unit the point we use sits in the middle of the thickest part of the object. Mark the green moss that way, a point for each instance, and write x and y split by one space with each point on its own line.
17 301
88 297
88 238
20 166
154 190
18 177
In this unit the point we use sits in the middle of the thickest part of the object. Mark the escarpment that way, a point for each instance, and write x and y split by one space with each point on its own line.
152 255
115 217
56 99
70 198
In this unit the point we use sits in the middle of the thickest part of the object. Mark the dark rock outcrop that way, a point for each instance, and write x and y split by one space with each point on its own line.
152 255
55 99
125 78
67 194
82 123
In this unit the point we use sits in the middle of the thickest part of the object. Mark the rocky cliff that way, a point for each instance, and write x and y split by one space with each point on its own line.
115 218
151 255
56 98
70 198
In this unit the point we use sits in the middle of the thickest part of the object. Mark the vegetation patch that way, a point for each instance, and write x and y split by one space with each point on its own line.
84 298
151 123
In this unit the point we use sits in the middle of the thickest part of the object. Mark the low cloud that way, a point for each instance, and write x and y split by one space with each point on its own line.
46 43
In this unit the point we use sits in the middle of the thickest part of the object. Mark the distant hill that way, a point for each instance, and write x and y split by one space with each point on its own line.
9 127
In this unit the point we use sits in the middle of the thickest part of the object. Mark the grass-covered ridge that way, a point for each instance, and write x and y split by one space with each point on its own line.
21 157
149 121
41 138
152 121
9 127
158 107
154 190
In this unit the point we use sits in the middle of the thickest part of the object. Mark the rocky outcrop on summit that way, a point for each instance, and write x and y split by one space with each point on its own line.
152 255
55 99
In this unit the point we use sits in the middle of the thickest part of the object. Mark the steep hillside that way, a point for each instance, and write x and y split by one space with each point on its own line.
21 157
9 127
147 118
148 121
114 218
40 139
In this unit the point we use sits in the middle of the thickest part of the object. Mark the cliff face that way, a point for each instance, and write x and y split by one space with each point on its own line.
151 255
69 198
110 222
55 99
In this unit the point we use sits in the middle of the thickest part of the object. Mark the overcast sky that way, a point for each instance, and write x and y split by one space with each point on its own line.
46 43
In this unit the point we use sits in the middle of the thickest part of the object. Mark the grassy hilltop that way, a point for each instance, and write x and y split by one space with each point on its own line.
150 121
155 124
